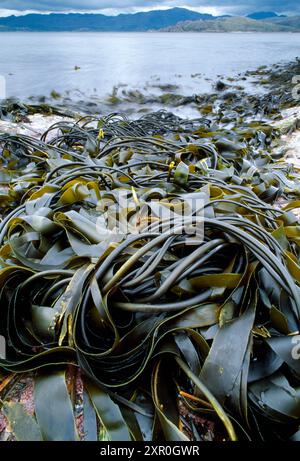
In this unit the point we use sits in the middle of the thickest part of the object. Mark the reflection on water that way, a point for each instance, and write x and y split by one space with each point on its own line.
93 63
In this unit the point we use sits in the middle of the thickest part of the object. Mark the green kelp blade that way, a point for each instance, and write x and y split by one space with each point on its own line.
53 407
109 414
22 425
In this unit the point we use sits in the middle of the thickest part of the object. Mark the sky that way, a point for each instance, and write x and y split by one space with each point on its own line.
215 7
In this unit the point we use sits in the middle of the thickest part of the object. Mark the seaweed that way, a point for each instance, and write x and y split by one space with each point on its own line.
178 335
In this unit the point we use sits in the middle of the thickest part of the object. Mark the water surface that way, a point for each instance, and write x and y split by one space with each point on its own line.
37 63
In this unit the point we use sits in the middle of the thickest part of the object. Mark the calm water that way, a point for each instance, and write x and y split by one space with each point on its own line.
37 63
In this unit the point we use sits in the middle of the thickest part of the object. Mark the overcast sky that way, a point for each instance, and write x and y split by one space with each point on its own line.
215 7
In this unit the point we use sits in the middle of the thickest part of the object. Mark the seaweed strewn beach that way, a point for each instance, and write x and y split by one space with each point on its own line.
136 325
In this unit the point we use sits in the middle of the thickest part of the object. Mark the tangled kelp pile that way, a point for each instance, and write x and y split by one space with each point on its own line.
179 335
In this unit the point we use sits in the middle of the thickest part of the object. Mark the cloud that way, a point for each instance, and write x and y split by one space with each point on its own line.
218 6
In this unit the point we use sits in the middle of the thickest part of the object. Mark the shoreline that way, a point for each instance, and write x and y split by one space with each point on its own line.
148 32
286 120
56 172
39 116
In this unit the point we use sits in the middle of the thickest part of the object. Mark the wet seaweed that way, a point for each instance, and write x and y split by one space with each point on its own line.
179 336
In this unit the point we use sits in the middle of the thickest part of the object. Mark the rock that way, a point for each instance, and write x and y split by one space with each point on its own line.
220 86
289 128
37 125
290 121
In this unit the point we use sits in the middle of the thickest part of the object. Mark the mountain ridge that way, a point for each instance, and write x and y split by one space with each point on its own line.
236 24
141 21
261 15
171 20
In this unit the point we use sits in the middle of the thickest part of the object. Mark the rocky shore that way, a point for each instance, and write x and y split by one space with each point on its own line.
242 154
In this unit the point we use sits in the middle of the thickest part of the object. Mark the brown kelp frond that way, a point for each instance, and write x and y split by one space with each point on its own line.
180 335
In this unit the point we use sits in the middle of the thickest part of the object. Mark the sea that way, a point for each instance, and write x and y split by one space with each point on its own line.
83 64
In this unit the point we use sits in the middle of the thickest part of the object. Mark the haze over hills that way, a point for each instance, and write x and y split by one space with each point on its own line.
172 20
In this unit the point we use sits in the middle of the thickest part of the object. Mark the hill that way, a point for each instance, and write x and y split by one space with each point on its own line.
260 15
152 20
172 20
292 22
233 24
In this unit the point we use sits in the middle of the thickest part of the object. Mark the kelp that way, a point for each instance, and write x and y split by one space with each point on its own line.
15 111
169 326
253 95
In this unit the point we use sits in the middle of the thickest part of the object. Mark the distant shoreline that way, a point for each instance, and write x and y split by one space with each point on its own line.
148 32
169 20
